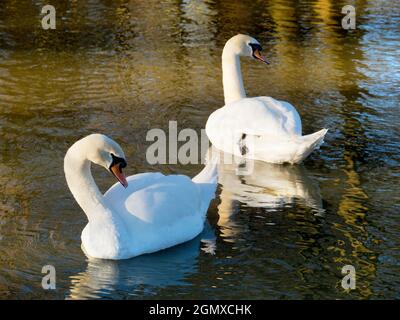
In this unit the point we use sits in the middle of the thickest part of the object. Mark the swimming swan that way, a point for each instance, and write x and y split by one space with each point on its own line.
144 213
259 128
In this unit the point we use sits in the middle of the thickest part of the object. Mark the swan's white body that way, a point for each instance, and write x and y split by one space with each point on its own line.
259 128
153 213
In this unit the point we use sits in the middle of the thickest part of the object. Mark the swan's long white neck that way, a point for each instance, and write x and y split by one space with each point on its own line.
232 75
81 183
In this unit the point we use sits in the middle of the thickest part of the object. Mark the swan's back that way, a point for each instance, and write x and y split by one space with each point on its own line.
255 116
158 211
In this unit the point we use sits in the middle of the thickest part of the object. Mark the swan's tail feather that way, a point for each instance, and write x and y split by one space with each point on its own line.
209 174
207 179
308 144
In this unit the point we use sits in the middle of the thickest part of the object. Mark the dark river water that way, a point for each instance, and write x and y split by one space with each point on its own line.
124 67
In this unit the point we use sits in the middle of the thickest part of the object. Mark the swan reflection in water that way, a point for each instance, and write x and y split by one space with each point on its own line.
257 184
142 275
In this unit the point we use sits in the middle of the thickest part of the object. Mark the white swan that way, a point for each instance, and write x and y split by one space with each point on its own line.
259 128
153 213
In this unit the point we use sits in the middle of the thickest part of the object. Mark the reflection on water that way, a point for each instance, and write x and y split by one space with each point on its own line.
122 67
257 184
268 185
142 275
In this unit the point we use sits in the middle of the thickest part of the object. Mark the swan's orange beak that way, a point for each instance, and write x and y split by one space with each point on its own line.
117 172
257 55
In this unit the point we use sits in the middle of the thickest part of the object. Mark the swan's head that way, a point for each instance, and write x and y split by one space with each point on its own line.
246 46
105 152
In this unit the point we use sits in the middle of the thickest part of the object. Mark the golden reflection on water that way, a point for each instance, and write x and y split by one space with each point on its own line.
145 273
122 67
353 210
262 185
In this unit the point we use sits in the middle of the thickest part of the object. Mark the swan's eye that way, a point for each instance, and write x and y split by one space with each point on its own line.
117 160
256 52
255 47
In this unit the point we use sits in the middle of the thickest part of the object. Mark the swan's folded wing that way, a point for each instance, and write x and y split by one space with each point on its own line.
255 116
117 193
165 213
171 198
267 116
156 199
158 211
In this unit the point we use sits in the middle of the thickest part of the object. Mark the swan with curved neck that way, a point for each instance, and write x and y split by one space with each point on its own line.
143 213
259 128
236 47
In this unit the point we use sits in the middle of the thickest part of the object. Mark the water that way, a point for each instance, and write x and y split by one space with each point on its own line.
124 67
